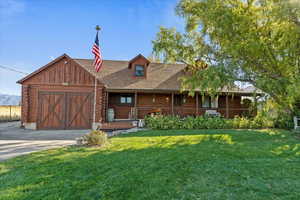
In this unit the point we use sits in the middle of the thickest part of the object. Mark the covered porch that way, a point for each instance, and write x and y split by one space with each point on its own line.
133 105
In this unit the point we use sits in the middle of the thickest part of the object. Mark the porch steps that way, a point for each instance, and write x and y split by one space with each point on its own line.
119 125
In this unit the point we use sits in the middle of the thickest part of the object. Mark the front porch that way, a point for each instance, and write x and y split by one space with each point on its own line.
133 105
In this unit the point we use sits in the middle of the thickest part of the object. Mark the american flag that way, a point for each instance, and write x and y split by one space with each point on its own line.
98 57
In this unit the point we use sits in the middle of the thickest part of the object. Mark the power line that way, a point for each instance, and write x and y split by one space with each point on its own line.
13 70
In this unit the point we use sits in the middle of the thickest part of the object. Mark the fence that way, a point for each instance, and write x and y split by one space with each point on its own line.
10 113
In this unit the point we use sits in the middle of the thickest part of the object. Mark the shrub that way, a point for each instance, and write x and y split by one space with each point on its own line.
199 122
98 138
284 120
205 122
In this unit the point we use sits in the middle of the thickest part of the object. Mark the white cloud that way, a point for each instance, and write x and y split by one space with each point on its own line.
10 8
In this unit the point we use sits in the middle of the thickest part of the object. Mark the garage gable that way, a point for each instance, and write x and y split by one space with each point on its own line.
61 71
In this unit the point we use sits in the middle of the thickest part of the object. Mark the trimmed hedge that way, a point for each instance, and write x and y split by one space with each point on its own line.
163 122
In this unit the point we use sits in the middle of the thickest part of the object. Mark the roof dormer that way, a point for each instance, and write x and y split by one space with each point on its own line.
138 66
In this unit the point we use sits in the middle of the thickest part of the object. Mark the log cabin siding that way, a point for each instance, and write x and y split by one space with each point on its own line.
147 102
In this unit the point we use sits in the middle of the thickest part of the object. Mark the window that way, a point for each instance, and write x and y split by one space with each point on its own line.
214 102
126 100
178 100
210 102
206 102
139 70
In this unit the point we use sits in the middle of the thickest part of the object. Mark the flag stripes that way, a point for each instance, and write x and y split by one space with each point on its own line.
98 57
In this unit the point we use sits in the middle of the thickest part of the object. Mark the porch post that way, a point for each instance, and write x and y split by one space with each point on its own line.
255 105
197 104
135 105
227 106
172 105
106 107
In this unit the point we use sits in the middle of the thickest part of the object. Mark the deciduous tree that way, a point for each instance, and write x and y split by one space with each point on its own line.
252 41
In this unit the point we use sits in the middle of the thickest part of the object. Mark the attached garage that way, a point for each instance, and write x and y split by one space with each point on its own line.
64 110
60 95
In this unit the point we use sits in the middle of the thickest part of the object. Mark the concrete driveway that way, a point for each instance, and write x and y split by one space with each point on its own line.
15 141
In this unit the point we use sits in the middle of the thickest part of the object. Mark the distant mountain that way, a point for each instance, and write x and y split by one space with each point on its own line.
6 99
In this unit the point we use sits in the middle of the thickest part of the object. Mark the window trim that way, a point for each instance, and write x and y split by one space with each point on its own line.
135 70
126 99
211 102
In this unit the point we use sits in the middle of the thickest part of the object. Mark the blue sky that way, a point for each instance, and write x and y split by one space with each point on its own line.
34 32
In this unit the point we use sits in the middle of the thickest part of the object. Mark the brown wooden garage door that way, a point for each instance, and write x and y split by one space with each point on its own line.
64 110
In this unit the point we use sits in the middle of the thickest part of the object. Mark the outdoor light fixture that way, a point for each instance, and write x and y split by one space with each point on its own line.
153 99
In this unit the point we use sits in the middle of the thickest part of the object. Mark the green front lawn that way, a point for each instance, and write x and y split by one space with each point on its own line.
183 164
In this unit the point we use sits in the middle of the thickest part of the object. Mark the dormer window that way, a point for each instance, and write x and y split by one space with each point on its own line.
139 70
139 66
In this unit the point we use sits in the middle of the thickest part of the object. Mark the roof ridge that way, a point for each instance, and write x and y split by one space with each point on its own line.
168 63
103 59
128 61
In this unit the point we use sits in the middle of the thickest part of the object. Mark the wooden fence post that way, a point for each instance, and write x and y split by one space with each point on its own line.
10 117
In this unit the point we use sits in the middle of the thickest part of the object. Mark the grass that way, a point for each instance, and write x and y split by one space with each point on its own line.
10 113
183 164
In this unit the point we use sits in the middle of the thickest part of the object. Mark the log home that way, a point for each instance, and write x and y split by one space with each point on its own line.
61 94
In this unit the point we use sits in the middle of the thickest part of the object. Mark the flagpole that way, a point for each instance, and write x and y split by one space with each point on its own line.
95 92
95 98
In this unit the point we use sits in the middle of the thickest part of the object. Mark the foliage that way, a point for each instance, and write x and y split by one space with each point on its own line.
270 115
251 106
253 41
95 137
200 122
173 164
262 120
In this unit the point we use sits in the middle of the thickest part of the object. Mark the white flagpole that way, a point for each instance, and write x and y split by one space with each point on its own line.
95 98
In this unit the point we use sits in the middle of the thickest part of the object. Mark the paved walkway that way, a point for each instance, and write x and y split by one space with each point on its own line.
15 141
13 148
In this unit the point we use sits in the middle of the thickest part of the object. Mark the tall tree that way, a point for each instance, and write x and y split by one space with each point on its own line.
253 41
